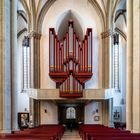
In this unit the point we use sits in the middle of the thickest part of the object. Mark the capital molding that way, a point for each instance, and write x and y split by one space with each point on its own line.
35 35
106 34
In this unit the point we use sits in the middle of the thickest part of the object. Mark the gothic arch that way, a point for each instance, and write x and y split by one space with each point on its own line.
21 32
27 12
42 14
99 11
118 9
121 33
114 7
119 13
49 3
33 17
62 24
22 14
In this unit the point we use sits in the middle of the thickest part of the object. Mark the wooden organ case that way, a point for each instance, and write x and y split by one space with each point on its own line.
70 61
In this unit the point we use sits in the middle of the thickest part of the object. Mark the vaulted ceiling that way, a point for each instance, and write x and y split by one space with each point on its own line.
33 11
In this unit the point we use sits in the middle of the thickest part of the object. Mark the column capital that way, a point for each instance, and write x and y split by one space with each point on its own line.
106 34
35 35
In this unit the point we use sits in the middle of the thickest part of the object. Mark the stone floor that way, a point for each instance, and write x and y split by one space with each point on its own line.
68 135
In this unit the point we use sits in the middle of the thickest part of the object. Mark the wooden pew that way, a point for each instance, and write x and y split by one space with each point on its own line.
44 132
99 132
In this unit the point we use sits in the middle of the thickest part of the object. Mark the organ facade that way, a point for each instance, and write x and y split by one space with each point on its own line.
70 63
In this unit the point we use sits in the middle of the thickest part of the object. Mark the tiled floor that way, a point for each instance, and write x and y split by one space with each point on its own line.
68 135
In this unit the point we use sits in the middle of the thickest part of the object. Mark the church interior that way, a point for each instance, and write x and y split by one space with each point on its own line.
70 69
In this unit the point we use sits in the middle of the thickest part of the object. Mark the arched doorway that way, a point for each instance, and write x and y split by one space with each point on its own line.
71 115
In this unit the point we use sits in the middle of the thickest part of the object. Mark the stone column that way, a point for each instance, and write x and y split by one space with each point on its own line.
105 112
5 67
35 60
32 110
36 113
35 71
129 70
14 101
111 112
105 58
136 66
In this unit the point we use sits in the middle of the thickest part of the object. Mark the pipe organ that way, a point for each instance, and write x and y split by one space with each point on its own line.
70 61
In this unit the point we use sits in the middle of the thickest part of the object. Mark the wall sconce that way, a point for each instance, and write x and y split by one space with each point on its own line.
45 110
95 111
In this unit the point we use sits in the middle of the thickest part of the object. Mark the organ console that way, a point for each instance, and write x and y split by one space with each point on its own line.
70 61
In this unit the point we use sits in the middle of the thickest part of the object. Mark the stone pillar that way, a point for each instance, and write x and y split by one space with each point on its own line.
32 110
129 79
136 66
105 58
36 113
14 101
105 112
111 124
133 66
35 60
5 67
35 72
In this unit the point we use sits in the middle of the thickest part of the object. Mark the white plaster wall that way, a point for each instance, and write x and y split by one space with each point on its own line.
90 113
51 114
23 102
87 17
23 98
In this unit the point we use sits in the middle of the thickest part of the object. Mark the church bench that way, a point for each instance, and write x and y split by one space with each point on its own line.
94 136
120 125
97 132
84 127
41 137
97 129
48 132
117 138
47 138
90 134
104 133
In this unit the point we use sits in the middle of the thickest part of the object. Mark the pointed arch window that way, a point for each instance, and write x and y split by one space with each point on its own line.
26 62
116 61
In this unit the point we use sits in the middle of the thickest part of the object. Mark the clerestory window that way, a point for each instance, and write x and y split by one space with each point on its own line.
116 61
26 62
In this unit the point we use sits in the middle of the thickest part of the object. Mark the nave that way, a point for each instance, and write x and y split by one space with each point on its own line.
69 62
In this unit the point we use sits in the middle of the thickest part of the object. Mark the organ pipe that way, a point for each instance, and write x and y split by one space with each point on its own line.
70 57
65 54
51 41
76 53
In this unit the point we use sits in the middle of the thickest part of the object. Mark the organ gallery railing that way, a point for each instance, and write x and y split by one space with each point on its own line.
70 61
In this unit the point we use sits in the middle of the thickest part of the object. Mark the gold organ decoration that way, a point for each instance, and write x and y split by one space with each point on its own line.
70 61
